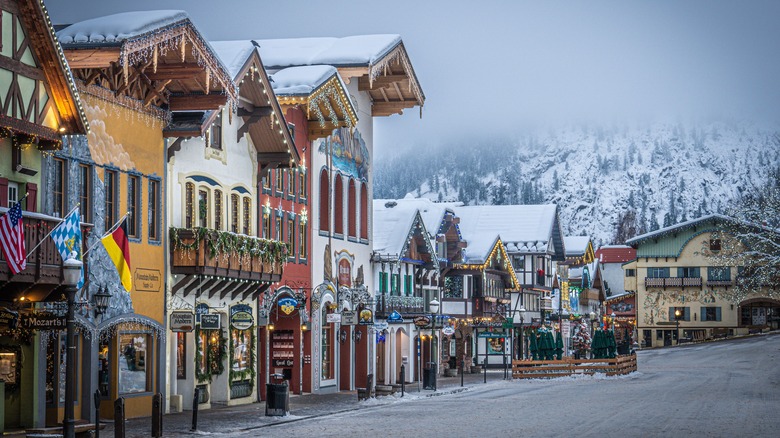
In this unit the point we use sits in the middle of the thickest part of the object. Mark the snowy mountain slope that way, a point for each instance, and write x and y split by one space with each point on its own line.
666 173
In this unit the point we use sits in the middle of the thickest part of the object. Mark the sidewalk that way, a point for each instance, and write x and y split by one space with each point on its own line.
251 416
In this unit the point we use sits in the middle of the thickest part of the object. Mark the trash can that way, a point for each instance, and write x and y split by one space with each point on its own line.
429 376
277 397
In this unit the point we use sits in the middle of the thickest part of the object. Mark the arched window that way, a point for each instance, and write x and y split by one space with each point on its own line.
189 208
364 211
247 228
352 208
234 213
218 210
203 208
324 201
338 206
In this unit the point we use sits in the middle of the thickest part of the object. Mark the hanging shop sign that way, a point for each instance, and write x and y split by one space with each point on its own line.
491 335
348 317
395 317
333 317
8 318
288 305
182 322
44 321
422 321
366 317
283 362
241 317
201 309
382 325
448 330
211 321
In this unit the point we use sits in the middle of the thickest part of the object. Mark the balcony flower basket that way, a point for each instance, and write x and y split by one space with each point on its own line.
223 247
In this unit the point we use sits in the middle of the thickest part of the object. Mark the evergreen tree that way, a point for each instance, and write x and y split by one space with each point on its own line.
654 222
627 227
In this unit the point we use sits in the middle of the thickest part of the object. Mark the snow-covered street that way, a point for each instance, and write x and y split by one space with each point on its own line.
726 388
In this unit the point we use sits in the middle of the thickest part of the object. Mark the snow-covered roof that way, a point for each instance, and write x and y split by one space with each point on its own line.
391 225
359 50
576 245
680 226
297 81
233 54
114 29
431 212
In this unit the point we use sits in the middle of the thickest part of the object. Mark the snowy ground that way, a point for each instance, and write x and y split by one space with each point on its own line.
717 389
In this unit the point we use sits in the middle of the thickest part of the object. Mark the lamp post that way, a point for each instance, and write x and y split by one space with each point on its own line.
434 308
613 320
101 298
71 270
521 311
677 315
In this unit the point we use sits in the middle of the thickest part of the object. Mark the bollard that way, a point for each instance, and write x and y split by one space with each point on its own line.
157 411
484 365
195 399
403 379
97 413
462 371
119 418
504 367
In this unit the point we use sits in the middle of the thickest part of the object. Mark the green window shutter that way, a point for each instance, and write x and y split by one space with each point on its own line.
671 314
717 314
703 314
681 272
665 272
696 272
687 314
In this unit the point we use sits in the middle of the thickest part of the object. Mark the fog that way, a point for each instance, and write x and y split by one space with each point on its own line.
499 66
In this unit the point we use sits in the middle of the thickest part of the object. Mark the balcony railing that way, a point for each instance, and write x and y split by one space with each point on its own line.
204 251
386 304
719 283
673 282
44 264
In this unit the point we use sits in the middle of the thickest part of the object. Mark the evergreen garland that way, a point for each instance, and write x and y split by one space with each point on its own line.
224 243
215 356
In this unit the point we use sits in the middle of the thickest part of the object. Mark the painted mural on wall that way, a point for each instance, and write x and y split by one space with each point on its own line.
102 146
350 154
657 304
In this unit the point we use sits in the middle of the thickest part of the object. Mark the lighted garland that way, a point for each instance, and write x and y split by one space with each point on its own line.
249 371
215 356
225 243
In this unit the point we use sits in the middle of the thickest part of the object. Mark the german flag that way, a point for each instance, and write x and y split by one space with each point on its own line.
118 248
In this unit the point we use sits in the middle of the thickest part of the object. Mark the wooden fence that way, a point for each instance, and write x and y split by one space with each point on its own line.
545 369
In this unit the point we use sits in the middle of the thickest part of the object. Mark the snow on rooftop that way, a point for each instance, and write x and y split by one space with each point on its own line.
662 231
233 54
301 80
346 51
575 245
431 212
117 28
391 225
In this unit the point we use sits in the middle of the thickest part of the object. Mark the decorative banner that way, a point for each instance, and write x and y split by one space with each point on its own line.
241 317
210 321
366 317
345 272
395 317
348 317
201 309
288 305
448 330
333 317
182 321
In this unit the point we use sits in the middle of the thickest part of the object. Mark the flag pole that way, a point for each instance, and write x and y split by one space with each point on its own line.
52 230
111 230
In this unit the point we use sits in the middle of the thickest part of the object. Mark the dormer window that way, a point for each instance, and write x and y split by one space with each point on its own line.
215 138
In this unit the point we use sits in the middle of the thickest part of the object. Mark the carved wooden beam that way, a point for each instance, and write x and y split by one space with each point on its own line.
196 102
379 82
379 109
91 58
175 71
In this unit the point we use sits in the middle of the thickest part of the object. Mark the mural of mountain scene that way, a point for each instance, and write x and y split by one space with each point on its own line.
664 174
350 154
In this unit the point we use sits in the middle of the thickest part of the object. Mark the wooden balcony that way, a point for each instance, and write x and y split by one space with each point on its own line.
673 282
202 251
722 283
43 273
387 304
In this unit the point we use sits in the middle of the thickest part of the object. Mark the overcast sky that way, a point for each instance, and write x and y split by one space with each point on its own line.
489 66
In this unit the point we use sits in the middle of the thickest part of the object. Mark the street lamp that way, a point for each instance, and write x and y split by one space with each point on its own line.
71 272
102 297
521 311
613 320
434 308
677 315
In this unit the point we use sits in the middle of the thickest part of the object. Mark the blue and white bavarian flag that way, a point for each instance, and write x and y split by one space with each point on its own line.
67 237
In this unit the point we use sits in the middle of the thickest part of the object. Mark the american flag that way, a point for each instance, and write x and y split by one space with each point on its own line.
12 239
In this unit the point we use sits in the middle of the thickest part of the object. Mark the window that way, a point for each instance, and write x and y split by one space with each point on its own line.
408 287
278 225
338 206
203 208
710 313
364 211
688 272
181 356
247 215
302 240
110 184
395 280
234 213
218 210
658 272
383 282
685 314
291 237
324 212
59 187
718 273
133 205
290 182
154 209
302 184
134 356
13 193
351 209
267 180
279 181
715 245
266 226
216 136
104 368
85 190
630 272
327 347
189 209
